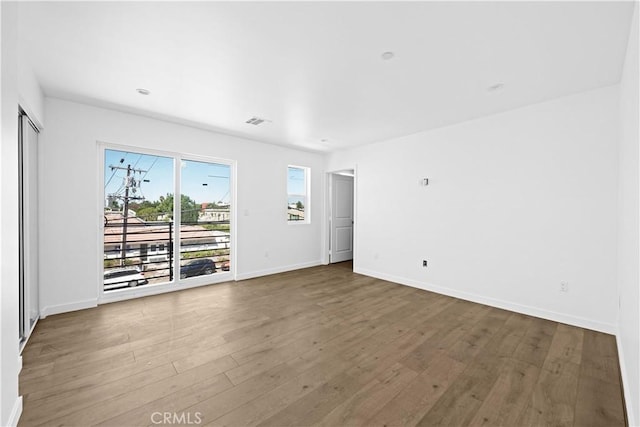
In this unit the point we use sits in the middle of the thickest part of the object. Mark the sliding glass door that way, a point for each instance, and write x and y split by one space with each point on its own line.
153 238
205 212
138 212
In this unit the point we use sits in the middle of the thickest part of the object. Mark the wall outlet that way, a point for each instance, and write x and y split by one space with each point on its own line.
564 286
266 254
424 262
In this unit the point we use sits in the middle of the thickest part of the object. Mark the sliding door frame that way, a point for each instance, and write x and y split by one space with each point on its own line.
176 283
28 227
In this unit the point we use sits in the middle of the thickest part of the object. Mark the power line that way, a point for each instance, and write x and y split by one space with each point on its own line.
225 195
110 178
116 170
145 174
136 163
150 167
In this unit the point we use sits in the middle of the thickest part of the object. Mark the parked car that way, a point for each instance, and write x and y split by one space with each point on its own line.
122 277
225 266
197 267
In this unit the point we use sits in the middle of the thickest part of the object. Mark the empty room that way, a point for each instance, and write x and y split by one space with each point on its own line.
319 213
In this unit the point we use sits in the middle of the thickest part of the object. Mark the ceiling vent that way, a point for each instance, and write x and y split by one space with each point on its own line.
255 121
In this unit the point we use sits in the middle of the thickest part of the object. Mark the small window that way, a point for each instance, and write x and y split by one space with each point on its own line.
298 194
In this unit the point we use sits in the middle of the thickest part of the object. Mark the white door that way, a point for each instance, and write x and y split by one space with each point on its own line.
341 218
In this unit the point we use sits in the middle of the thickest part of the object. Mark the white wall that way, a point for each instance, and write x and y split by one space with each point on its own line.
30 94
628 230
516 203
70 238
17 86
10 403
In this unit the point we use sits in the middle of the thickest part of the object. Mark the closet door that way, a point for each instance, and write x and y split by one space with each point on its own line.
29 283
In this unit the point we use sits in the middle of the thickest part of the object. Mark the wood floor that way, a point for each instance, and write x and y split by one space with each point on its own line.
321 346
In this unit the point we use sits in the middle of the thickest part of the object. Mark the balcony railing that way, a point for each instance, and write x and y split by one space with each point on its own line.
143 252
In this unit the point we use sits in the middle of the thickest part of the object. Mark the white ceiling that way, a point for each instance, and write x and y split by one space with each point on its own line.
315 69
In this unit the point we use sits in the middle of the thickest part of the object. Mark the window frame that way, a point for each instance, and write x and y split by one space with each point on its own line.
307 195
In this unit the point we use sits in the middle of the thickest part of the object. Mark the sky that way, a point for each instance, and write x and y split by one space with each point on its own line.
158 170
296 186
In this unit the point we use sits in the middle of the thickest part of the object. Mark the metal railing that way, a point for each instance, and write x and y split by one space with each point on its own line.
147 256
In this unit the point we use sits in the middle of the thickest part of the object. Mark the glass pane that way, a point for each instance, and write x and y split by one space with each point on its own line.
138 219
205 242
296 192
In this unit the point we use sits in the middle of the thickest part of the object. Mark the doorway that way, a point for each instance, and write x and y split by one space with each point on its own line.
341 216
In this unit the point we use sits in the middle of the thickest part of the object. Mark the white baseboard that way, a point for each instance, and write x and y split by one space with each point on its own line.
276 270
64 308
24 343
493 302
16 412
150 290
629 403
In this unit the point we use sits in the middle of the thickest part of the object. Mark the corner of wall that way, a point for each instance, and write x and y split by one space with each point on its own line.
64 308
283 269
30 96
628 327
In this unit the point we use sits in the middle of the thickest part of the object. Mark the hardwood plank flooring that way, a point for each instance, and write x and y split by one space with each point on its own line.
321 346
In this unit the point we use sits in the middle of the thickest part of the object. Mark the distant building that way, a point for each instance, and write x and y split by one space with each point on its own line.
214 214
296 214
151 241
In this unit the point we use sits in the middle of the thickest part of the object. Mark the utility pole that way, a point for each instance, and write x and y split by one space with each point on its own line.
129 183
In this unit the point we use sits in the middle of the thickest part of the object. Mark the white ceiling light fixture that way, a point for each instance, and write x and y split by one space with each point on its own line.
142 91
495 87
387 56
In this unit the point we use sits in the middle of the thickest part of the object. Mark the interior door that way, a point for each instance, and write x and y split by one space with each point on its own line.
341 218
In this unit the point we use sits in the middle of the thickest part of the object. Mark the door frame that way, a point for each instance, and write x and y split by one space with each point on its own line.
28 267
328 209
176 284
